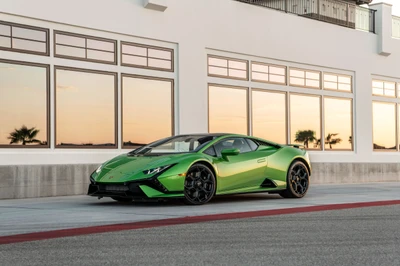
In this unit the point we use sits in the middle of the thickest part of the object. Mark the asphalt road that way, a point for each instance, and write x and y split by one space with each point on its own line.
360 236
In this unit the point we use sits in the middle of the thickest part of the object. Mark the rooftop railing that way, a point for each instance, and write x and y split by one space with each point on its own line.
331 11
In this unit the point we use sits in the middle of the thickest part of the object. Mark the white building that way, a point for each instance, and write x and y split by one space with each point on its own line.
97 76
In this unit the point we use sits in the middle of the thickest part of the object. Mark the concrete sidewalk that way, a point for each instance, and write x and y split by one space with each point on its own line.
43 214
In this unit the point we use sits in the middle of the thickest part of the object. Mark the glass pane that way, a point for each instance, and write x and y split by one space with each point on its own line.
312 75
217 62
277 79
377 91
296 73
160 63
331 78
161 54
134 60
344 87
146 110
101 56
5 30
70 51
338 133
100 45
70 40
259 76
237 65
5 42
259 68
277 70
389 85
269 116
227 110
384 125
312 83
218 71
377 84
85 110
238 73
305 125
28 34
345 79
23 102
330 85
29 45
135 50
390 93
297 81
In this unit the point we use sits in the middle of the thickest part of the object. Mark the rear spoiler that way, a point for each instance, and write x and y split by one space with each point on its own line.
298 146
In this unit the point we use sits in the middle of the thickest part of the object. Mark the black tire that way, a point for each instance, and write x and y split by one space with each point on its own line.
121 199
297 180
200 185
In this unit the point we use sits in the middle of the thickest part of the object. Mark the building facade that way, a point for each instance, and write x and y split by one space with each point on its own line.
84 81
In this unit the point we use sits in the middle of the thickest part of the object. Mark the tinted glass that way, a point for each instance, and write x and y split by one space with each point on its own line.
23 102
85 108
384 125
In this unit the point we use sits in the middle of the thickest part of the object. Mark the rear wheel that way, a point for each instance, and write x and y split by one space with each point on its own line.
297 181
199 185
121 199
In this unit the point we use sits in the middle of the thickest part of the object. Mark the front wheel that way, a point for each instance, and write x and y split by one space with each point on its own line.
297 181
199 185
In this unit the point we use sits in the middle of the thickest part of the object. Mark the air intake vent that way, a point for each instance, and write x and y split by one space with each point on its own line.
268 183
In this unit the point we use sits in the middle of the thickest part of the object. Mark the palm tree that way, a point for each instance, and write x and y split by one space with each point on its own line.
305 136
332 141
24 135
350 139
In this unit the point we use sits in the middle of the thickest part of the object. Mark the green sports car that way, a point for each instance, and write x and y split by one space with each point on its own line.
199 166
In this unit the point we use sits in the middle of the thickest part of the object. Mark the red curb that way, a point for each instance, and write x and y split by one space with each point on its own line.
183 220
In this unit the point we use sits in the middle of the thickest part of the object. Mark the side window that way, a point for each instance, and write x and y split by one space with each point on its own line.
252 144
233 143
211 151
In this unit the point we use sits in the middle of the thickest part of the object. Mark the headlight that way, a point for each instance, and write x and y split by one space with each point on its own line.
156 170
99 169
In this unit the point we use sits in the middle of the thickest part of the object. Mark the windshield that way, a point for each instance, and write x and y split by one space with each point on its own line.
174 145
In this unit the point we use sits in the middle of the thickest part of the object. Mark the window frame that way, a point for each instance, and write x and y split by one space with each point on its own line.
86 37
319 72
48 135
396 93
84 70
172 81
227 68
12 24
396 118
160 48
247 89
337 83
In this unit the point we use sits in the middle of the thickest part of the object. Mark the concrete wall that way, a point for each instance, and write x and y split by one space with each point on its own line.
27 181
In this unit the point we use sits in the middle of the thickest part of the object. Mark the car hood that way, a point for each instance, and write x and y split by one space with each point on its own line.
128 168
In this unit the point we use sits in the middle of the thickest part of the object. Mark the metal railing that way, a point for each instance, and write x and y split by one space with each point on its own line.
365 19
395 27
332 11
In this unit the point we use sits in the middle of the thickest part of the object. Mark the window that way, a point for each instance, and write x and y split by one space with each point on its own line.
252 144
82 47
210 151
384 126
269 115
227 109
143 56
227 67
85 108
234 143
337 82
305 120
24 107
268 73
147 110
23 38
304 78
383 88
338 123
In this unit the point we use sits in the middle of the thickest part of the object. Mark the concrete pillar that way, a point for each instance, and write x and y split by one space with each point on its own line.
383 27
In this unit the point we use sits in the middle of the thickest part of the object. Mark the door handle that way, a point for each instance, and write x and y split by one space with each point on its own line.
261 160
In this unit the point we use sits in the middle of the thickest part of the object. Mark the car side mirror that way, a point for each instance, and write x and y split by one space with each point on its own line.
229 152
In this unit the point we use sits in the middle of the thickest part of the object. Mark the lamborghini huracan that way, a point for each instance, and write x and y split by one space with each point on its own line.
198 167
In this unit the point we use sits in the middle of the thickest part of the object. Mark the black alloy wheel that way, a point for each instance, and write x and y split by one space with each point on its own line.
199 185
297 181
